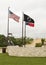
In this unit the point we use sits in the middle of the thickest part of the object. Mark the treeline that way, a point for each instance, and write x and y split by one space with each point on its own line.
15 41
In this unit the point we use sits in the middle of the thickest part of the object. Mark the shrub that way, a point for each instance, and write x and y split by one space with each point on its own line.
42 40
29 41
38 45
3 41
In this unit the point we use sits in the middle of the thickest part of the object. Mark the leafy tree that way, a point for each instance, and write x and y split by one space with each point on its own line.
19 41
16 41
13 40
3 41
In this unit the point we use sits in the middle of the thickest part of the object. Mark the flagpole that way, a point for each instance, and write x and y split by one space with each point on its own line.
8 26
25 35
22 28
8 23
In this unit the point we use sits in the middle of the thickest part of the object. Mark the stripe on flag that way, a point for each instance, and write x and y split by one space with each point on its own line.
14 16
28 20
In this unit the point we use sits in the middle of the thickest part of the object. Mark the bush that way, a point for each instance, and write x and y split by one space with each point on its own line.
3 41
29 41
38 45
42 40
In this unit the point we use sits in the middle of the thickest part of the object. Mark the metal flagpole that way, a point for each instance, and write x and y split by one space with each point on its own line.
22 28
25 35
8 23
8 26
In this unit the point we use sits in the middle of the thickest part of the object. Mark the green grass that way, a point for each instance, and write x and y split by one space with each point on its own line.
8 60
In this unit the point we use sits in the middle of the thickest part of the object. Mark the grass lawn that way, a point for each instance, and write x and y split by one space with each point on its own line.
8 60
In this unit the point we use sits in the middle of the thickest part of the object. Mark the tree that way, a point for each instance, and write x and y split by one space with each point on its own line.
13 40
3 41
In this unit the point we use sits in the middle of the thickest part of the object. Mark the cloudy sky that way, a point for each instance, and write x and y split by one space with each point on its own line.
36 9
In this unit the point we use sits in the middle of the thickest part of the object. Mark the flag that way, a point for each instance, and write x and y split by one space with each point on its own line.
28 20
14 16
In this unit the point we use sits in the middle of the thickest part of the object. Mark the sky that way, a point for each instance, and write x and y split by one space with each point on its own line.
36 9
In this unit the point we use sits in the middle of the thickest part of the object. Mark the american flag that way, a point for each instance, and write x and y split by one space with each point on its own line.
14 16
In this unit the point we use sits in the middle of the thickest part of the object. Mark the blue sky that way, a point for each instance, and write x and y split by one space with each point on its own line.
36 9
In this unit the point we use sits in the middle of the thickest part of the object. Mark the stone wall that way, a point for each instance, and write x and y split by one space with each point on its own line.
27 51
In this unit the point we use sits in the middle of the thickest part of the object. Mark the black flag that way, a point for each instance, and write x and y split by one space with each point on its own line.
29 21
